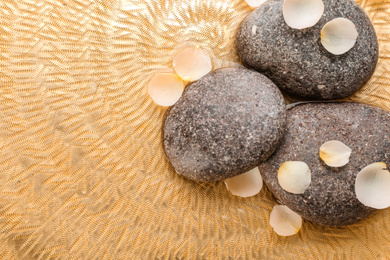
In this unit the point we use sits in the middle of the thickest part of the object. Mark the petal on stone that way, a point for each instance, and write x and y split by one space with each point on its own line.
284 221
301 14
335 153
255 3
339 36
192 63
294 177
372 186
165 88
245 185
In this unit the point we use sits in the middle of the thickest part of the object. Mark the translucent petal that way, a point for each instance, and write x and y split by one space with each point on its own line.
192 63
335 153
294 177
372 186
165 89
284 221
255 3
245 185
339 36
300 14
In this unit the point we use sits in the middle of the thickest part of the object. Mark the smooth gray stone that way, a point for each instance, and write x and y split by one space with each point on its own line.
330 199
225 124
296 61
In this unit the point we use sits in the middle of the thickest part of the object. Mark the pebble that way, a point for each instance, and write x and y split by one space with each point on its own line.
225 124
330 199
296 61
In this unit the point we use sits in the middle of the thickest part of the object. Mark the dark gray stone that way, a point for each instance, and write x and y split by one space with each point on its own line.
296 61
330 199
225 124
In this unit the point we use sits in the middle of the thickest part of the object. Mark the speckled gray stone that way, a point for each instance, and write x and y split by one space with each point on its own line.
296 61
225 124
330 199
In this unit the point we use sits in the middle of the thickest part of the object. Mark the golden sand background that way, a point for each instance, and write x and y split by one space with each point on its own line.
82 171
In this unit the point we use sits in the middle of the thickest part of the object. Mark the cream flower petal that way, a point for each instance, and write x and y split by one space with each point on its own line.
301 14
372 186
335 153
165 89
245 185
192 63
339 36
255 3
284 221
294 177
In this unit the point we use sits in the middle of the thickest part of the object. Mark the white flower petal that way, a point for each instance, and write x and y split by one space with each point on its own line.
294 176
192 63
245 185
255 3
335 153
372 186
300 14
339 36
165 89
284 221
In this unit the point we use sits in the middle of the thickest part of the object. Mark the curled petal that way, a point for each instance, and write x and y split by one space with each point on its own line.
192 63
339 36
165 89
255 3
301 14
372 186
335 153
284 221
294 177
245 185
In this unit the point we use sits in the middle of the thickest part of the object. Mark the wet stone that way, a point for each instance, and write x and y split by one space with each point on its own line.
330 199
296 61
225 124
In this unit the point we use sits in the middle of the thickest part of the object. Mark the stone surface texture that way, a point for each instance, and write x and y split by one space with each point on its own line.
296 61
330 199
225 124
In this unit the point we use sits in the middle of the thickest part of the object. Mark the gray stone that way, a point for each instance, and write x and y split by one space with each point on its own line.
330 199
225 124
296 61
